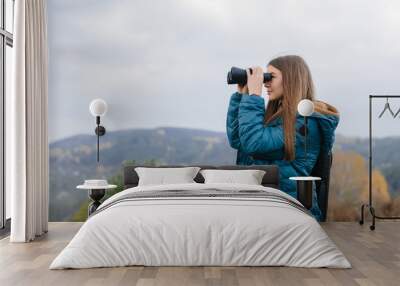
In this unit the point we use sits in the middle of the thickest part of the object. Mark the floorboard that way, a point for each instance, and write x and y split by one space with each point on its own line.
374 255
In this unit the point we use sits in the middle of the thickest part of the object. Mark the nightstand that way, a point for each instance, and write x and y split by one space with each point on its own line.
304 189
96 193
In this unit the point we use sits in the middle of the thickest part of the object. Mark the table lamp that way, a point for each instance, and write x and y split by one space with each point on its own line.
304 184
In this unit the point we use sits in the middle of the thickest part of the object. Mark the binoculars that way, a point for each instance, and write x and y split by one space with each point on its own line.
239 76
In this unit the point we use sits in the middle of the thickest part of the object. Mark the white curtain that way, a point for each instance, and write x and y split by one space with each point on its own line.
28 159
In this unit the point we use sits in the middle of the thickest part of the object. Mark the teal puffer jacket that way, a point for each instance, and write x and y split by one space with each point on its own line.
260 144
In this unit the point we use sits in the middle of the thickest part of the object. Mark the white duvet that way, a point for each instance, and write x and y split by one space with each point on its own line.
200 231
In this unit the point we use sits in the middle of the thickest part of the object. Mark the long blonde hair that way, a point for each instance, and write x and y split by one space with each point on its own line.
297 85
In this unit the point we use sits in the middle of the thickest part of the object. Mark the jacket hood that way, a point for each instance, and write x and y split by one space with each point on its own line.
327 117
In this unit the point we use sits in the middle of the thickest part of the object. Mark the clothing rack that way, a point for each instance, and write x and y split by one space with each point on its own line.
369 205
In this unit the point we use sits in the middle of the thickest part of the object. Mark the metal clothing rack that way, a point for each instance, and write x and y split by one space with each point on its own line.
369 205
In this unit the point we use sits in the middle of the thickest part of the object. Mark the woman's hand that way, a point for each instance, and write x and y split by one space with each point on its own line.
255 80
242 89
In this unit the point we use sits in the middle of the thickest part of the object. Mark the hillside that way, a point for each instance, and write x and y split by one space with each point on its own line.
72 160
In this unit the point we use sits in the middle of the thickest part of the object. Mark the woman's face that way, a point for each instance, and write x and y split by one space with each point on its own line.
274 87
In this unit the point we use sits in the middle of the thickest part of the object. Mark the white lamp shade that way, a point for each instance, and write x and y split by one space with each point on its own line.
305 107
98 107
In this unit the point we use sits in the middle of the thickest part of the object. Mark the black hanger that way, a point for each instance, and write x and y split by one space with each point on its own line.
387 107
398 111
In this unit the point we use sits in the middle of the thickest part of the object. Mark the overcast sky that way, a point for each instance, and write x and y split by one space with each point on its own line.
164 63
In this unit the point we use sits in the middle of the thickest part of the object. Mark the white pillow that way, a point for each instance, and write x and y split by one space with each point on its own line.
164 176
248 177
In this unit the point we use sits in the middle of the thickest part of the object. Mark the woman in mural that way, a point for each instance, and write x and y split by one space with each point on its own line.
275 134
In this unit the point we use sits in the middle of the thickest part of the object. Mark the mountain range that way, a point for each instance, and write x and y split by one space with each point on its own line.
73 159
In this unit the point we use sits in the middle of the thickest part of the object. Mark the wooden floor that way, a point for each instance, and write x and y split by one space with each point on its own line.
375 257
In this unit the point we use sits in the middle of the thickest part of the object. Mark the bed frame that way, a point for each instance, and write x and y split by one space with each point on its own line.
270 179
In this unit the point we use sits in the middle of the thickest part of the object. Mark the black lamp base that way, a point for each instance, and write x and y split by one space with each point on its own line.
304 193
96 195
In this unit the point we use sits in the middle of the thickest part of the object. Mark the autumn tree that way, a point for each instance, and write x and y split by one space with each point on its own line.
349 187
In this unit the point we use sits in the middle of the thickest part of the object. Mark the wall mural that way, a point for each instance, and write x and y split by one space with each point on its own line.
162 71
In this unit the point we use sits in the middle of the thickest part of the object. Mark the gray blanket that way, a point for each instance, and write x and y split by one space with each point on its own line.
205 193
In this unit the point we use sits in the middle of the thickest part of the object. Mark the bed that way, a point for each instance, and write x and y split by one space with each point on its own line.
198 224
